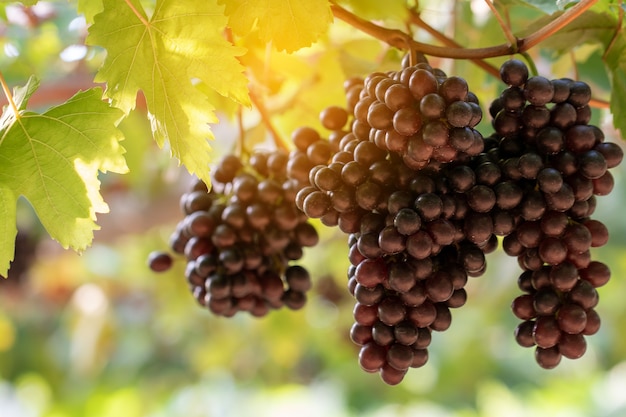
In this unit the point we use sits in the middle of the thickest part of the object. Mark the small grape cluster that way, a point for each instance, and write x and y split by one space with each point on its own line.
239 238
553 165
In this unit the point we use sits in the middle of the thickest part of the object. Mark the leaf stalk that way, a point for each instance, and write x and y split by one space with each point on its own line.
505 28
265 117
402 40
417 21
139 15
9 95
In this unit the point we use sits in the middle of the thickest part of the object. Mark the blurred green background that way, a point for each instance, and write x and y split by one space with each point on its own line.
100 335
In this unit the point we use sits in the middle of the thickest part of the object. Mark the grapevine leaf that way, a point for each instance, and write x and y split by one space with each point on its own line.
53 159
163 56
8 230
618 101
89 8
24 2
21 95
547 6
288 24
563 4
591 26
376 10
616 61
20 98
544 6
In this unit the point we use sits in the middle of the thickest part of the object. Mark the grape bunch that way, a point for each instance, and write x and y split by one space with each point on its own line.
553 164
239 238
422 197
407 198
404 121
424 204
406 274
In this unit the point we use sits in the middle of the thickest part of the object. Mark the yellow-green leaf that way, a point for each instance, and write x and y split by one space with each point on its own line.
53 160
24 2
376 10
163 56
8 230
288 24
89 8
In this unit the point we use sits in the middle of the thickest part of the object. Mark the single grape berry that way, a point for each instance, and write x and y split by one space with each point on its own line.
514 72
159 261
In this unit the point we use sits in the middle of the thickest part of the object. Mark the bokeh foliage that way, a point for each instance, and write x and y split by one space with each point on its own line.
100 335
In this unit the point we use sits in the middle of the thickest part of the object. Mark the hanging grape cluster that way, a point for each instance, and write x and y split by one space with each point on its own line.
422 197
240 238
414 236
553 166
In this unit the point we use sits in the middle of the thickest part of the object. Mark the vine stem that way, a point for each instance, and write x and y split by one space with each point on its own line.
599 104
620 20
239 145
9 96
417 21
402 40
265 117
530 63
139 16
505 28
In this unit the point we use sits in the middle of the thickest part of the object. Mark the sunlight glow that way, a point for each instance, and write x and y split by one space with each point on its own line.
73 53
90 300
480 11
77 24
10 50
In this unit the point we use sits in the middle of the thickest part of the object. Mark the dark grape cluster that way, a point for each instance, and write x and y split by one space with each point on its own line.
239 238
408 201
418 112
552 166
355 170
422 197
405 286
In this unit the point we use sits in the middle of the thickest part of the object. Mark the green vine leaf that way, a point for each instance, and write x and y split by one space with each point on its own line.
592 26
563 4
616 61
288 24
89 8
8 228
53 160
24 2
544 6
163 56
374 10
